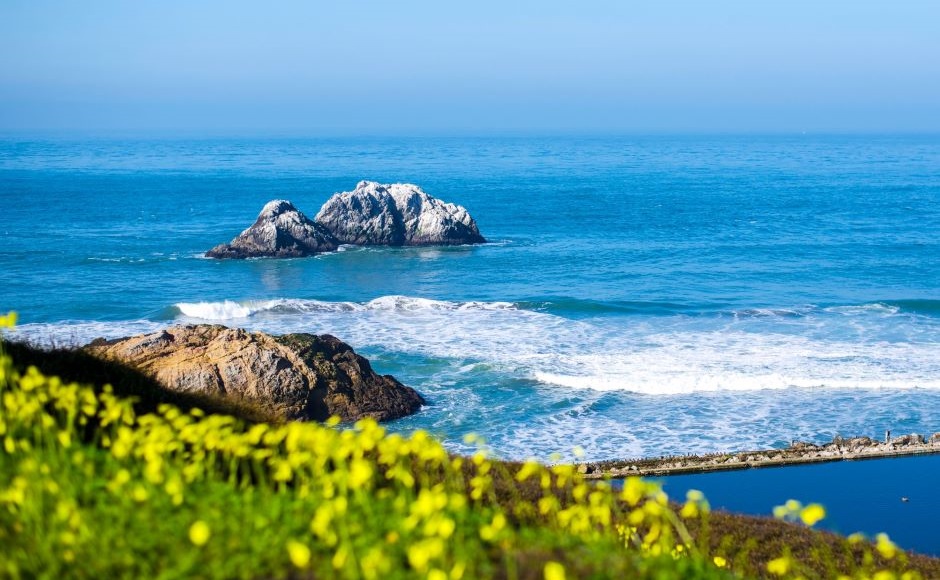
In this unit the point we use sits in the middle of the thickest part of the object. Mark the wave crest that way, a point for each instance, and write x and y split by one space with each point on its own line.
231 310
865 347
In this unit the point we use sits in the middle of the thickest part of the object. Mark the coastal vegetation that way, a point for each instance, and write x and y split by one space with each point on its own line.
126 479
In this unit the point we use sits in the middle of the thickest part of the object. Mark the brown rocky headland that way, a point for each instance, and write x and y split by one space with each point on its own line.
296 376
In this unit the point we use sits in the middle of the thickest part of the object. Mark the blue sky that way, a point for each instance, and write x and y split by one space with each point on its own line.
307 68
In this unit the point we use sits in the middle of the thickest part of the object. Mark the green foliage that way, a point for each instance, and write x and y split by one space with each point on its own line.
91 487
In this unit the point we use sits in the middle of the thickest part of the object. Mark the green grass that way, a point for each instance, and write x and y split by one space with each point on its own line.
136 481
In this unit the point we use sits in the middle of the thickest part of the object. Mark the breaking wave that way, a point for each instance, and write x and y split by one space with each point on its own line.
230 310
757 349
565 307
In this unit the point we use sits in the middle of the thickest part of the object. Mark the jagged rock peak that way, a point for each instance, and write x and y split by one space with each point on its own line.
281 231
297 376
276 207
397 214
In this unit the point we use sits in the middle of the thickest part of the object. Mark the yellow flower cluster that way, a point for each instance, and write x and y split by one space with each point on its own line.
810 515
407 491
793 510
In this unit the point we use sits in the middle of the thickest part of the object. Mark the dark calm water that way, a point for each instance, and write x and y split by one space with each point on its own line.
859 496
639 296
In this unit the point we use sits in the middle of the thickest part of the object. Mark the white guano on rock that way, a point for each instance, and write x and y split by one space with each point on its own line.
399 214
281 231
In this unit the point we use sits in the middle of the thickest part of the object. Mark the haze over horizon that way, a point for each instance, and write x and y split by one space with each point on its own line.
297 68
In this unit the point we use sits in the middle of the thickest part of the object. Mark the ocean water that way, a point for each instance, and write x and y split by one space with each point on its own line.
638 295
894 496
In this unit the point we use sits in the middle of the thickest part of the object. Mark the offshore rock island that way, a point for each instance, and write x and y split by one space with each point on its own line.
296 376
372 214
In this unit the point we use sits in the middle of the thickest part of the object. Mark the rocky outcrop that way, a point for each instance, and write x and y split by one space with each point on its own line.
298 376
281 231
396 215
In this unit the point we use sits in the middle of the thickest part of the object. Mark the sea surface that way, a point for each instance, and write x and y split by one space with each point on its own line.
896 496
638 296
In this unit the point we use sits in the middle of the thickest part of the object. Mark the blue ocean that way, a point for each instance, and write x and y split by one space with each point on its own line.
895 496
638 296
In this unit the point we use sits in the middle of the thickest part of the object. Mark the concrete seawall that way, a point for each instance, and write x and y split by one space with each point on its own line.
839 449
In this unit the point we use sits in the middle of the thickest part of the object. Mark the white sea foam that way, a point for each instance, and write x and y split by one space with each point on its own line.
231 310
670 356
405 303
772 350
122 260
70 333
227 310
153 257
533 382
865 309
771 312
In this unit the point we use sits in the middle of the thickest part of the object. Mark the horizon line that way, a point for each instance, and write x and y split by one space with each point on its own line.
326 134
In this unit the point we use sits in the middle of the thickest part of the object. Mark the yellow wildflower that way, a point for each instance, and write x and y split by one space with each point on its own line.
339 558
812 514
199 533
528 469
8 320
779 566
491 531
139 493
885 546
554 571
299 553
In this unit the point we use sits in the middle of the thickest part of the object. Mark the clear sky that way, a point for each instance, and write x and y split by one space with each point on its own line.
402 66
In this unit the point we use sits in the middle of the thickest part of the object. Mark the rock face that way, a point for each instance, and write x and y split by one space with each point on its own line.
396 215
298 376
281 231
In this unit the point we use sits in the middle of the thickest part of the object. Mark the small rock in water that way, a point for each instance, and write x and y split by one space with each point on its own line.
281 231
